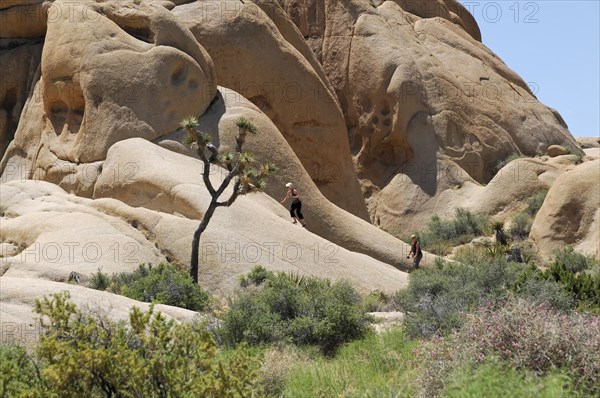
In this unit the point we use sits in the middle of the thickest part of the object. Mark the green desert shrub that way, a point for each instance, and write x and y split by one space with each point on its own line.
303 311
378 365
436 300
163 283
520 226
87 355
536 201
538 290
256 276
493 379
18 373
378 301
100 280
574 261
577 274
441 235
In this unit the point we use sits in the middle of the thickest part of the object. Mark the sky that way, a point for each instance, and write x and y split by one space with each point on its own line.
553 45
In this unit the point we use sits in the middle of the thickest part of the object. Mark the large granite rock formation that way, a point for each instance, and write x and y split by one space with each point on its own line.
384 110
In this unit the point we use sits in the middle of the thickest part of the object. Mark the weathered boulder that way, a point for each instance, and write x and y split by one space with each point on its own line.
106 74
178 189
403 206
253 57
570 214
18 324
588 142
420 94
60 233
556 150
24 19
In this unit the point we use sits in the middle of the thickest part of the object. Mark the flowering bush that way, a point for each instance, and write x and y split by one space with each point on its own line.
535 337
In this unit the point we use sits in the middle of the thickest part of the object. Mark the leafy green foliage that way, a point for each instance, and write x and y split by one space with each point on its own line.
520 226
257 275
495 251
100 280
435 300
290 308
510 158
539 290
189 122
536 201
18 373
442 235
245 125
574 261
492 379
569 270
82 355
377 301
378 365
163 283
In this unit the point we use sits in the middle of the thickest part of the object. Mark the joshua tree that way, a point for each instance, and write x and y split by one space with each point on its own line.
240 168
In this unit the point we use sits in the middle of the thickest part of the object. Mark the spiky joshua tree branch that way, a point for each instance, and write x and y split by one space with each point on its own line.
240 166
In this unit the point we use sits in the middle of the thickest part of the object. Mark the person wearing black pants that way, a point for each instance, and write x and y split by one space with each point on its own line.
415 251
296 209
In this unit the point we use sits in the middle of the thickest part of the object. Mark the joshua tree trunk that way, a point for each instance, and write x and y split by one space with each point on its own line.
196 242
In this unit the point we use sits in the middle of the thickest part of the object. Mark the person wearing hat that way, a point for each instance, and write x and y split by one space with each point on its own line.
415 251
296 209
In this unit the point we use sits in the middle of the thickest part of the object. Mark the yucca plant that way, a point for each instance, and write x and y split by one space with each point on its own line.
247 176
498 227
496 251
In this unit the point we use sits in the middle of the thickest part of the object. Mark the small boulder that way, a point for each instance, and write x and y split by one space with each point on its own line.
588 142
556 150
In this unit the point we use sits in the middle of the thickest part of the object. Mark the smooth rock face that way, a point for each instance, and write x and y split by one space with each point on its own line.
61 233
252 57
418 92
23 19
556 150
504 196
570 214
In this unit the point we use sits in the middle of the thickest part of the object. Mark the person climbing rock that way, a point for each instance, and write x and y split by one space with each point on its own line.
415 251
296 209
